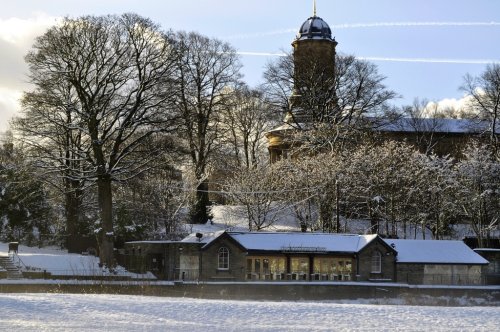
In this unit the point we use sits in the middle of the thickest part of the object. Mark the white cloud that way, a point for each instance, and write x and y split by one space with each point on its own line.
9 105
19 31
450 107
16 37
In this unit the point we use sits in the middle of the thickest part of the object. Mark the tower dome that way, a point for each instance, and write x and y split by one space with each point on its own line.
314 28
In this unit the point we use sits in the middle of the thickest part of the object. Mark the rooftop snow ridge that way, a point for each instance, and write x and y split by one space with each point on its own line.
294 233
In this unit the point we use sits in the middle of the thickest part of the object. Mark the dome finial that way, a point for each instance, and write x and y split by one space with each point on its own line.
314 8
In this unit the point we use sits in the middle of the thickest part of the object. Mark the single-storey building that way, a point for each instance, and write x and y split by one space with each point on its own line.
271 256
292 256
437 262
492 271
250 256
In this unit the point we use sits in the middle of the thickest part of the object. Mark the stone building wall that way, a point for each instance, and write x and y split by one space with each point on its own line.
364 264
209 262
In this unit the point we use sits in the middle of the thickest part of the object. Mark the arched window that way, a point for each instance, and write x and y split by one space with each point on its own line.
223 259
376 262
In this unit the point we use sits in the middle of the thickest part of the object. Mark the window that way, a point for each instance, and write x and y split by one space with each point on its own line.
223 259
265 268
376 262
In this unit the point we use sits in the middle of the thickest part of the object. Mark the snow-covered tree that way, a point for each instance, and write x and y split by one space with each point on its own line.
421 117
151 205
260 192
25 212
435 203
382 183
301 188
316 189
478 196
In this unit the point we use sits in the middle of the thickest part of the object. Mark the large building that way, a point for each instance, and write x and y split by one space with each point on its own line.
314 50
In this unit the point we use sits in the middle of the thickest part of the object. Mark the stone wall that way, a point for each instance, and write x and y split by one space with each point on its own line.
440 274
364 265
209 262
410 273
370 293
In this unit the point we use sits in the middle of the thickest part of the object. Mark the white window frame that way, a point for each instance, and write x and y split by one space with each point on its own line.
223 258
376 262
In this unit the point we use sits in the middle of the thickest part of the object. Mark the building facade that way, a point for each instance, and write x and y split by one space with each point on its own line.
261 256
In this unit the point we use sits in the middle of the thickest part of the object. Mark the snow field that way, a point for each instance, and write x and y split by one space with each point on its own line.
70 312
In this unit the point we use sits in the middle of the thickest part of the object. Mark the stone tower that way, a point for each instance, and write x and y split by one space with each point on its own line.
313 56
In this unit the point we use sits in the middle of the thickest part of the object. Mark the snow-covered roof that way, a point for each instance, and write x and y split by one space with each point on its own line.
409 125
487 249
434 252
206 238
302 242
452 126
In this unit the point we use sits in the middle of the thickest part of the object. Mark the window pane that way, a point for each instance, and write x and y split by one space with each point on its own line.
376 262
223 259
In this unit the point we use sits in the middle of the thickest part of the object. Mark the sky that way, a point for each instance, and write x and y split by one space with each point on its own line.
423 47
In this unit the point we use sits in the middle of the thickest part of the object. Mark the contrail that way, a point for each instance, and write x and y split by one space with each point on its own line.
260 53
432 60
415 24
371 25
387 59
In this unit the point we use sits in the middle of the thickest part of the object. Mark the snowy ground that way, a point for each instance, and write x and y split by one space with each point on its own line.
60 262
70 312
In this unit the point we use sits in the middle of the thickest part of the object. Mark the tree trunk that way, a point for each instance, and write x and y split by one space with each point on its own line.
199 213
72 209
105 199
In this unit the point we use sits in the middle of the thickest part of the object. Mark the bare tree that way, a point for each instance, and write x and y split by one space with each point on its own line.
119 71
245 123
278 83
423 124
485 99
207 77
335 107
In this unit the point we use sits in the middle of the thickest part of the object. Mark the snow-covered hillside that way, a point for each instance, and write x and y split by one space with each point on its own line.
60 262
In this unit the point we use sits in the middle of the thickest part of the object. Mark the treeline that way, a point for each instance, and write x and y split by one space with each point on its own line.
391 184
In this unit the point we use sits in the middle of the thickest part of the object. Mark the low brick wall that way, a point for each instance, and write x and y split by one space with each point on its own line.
368 293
